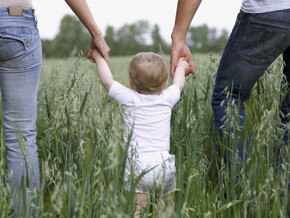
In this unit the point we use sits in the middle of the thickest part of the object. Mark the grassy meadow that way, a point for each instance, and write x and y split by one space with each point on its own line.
82 154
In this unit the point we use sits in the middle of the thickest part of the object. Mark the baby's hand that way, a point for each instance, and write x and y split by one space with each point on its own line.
183 63
96 55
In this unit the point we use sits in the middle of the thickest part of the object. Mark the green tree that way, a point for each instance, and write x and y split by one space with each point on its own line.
131 38
47 48
204 39
197 38
110 38
72 37
222 40
158 43
70 40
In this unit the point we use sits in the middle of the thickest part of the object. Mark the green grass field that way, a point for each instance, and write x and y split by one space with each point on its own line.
82 153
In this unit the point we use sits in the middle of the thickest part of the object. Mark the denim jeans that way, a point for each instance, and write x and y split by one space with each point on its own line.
255 42
20 67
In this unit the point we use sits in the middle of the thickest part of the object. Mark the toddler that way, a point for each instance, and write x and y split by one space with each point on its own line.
147 112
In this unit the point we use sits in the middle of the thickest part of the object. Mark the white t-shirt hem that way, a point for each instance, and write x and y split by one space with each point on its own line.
264 9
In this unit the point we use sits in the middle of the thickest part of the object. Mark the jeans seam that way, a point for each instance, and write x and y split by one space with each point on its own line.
267 61
226 52
270 24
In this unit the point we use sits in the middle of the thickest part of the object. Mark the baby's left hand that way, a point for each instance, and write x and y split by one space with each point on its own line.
96 55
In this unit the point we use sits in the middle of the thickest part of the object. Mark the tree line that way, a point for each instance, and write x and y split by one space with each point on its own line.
128 39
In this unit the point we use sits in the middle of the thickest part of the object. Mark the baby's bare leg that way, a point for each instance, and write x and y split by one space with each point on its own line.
141 200
166 206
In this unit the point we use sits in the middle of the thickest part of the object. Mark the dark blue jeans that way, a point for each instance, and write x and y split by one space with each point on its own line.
255 42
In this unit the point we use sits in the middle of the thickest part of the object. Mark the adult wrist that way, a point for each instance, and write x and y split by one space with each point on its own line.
177 36
96 33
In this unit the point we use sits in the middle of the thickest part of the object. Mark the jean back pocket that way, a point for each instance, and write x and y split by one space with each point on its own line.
14 42
263 41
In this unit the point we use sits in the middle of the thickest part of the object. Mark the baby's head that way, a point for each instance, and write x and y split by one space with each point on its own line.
148 73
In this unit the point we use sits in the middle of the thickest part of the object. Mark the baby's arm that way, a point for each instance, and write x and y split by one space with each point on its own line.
104 71
179 75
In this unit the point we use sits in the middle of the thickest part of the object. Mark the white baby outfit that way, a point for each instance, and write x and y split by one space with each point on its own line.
147 118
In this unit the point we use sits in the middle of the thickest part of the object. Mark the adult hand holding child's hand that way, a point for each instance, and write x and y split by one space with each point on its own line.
102 47
184 64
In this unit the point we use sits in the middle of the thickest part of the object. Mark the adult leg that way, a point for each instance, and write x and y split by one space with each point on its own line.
285 112
20 67
255 42
285 109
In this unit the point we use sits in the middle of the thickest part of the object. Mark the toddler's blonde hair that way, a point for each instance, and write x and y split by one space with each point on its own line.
148 73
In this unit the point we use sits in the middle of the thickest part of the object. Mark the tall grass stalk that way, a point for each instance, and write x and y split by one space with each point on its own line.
82 153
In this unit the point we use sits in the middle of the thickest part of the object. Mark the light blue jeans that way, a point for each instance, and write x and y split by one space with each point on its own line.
20 67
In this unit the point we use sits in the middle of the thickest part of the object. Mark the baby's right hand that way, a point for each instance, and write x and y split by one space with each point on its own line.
183 63
96 55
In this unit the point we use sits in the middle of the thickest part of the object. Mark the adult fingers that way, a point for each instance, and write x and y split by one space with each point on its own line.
101 45
104 50
89 55
172 69
189 70
174 58
106 56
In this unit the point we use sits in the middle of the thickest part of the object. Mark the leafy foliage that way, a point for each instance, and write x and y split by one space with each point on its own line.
129 39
